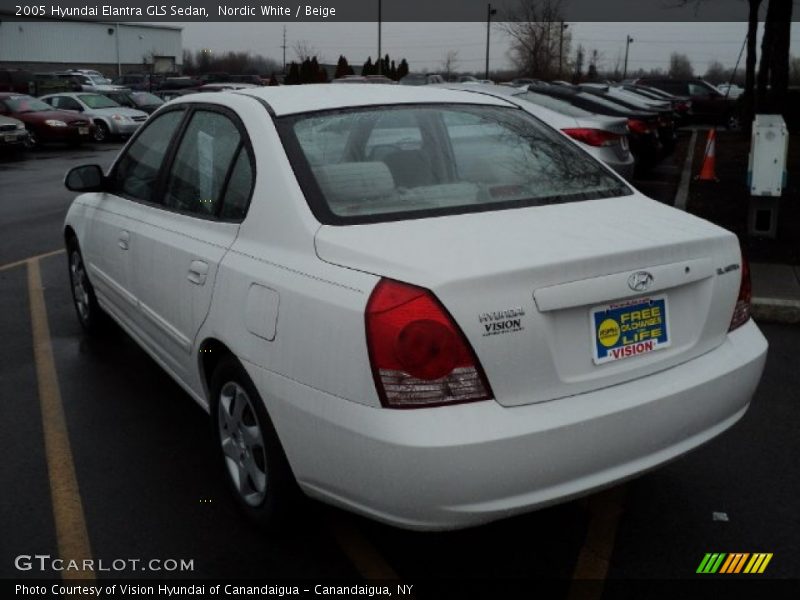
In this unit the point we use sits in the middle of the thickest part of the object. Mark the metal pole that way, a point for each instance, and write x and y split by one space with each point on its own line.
119 65
628 41
489 12
284 49
380 60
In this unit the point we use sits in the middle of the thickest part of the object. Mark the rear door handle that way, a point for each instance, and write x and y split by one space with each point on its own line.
197 272
124 239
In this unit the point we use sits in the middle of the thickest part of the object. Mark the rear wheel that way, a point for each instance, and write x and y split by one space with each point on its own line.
253 460
90 315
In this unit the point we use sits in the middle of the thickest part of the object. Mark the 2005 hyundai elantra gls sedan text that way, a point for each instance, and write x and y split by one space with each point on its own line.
422 305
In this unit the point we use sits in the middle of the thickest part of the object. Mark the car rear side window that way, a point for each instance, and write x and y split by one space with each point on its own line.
136 173
202 163
389 163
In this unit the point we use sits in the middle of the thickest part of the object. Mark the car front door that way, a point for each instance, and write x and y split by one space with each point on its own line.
110 243
185 239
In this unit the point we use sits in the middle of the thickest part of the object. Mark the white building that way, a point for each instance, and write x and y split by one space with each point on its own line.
111 48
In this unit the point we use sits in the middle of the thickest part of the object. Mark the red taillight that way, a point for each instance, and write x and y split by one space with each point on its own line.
418 354
593 137
741 314
638 126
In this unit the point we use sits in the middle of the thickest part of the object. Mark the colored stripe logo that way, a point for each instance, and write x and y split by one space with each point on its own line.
734 562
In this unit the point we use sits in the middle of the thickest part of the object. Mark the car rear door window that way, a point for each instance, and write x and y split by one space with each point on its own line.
239 189
136 173
201 164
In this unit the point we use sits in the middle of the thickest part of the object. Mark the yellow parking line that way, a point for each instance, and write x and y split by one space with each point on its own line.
71 534
364 556
19 263
594 559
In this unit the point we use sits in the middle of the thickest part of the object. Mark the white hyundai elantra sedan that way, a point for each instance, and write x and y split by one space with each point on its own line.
421 305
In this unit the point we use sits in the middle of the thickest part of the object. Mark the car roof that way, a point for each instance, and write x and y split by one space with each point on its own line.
294 99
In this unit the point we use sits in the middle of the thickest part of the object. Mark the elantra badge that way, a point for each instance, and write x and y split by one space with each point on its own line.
640 281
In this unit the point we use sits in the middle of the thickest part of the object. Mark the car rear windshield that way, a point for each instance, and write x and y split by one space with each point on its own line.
400 162
26 104
97 101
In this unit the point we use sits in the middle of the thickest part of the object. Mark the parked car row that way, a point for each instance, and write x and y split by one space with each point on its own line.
72 117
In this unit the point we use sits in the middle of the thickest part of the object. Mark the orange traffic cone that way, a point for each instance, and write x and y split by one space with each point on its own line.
708 172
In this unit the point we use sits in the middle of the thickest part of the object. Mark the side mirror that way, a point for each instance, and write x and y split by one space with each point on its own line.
86 178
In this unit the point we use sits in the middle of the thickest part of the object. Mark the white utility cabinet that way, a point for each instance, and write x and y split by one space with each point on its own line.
768 150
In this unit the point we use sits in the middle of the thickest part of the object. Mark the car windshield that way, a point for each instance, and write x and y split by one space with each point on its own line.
98 80
26 104
146 99
397 162
97 101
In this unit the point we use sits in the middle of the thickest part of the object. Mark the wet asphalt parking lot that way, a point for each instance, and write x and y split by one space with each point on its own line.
145 485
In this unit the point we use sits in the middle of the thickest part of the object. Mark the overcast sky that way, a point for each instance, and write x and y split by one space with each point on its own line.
425 44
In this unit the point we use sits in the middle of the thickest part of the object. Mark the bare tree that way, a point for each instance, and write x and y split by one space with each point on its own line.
449 63
303 50
716 73
680 66
539 42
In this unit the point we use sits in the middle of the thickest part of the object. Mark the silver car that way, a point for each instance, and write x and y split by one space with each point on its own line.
110 119
605 138
12 133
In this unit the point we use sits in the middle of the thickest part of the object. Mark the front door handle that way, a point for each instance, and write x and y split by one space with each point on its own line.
124 239
197 272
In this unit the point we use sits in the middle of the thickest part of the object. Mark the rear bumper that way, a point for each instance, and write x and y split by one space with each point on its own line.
451 467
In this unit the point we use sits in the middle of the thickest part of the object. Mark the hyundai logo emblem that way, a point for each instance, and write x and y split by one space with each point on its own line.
640 281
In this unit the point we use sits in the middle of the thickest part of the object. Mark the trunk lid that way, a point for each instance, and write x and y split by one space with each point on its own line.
524 285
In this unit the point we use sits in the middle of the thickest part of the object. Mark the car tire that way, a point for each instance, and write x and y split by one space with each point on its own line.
248 448
91 317
33 140
101 132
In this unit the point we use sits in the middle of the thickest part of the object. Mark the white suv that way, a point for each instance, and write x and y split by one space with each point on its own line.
422 305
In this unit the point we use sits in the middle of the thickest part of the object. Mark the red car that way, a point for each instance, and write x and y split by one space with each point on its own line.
43 122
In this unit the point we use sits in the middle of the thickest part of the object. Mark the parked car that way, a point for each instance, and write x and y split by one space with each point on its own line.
51 83
222 87
350 79
605 138
17 80
642 125
109 118
44 123
139 81
414 332
144 101
168 95
666 117
13 134
709 105
731 90
421 79
89 82
681 105
179 83
251 79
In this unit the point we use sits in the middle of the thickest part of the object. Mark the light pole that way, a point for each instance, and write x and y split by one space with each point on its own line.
628 42
489 12
380 62
561 49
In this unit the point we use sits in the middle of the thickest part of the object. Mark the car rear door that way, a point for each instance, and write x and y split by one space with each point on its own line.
204 194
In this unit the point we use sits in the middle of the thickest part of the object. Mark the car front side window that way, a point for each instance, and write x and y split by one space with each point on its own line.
136 173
